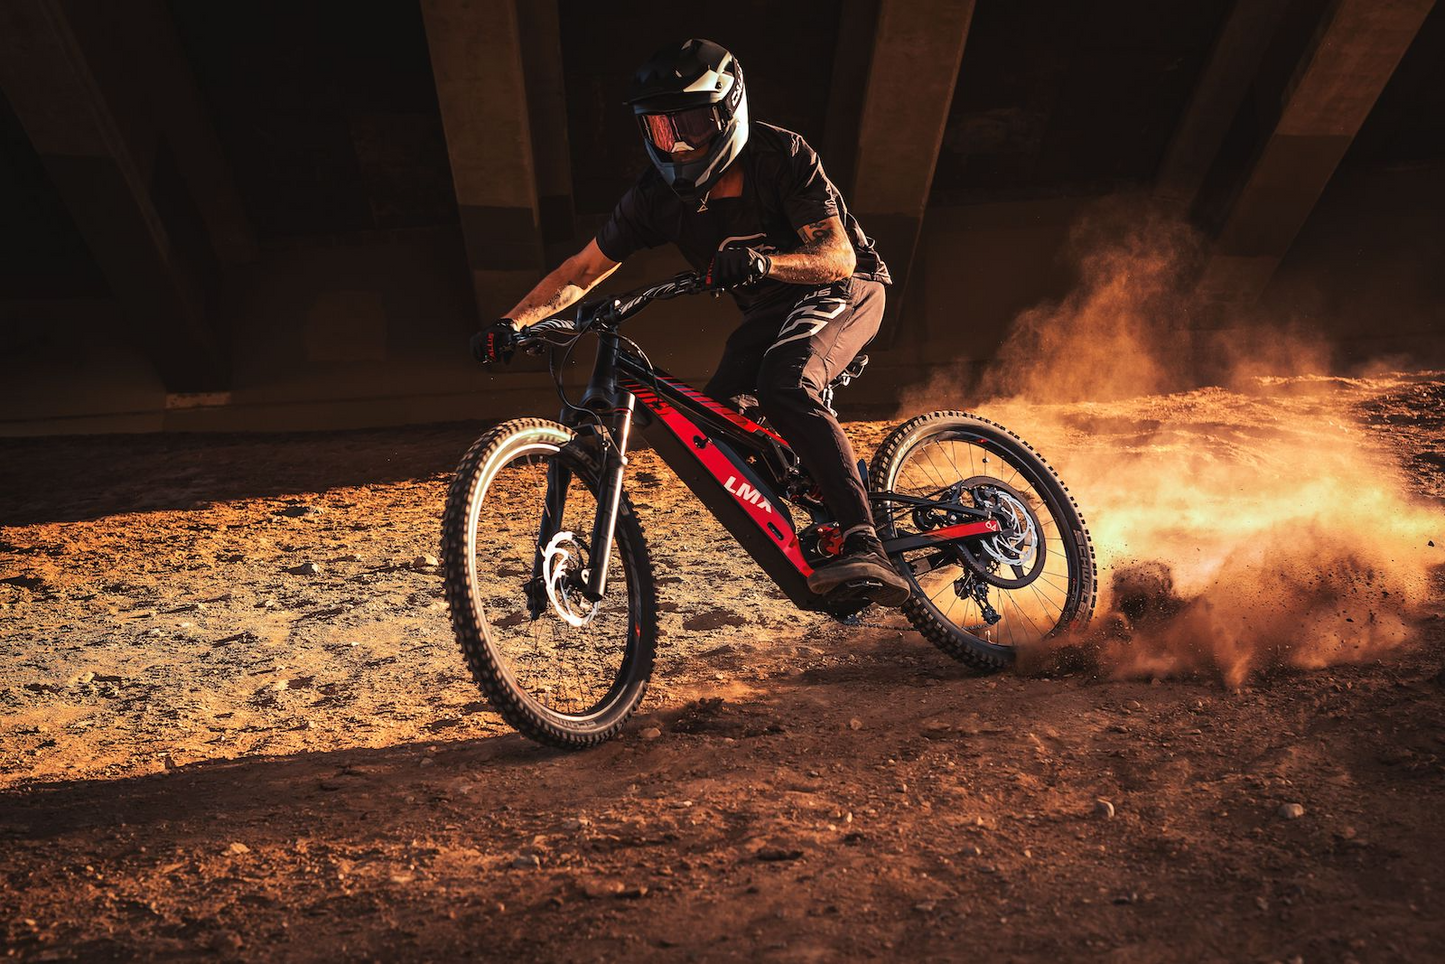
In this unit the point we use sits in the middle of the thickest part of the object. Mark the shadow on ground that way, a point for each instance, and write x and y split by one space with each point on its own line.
72 478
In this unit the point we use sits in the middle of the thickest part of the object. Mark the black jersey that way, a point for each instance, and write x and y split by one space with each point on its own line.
784 188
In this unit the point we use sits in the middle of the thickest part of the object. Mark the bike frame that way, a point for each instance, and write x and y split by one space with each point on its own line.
740 470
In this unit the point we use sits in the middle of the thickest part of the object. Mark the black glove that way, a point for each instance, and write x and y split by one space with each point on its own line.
735 267
495 343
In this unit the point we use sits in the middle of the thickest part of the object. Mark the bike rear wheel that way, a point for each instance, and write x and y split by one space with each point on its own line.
987 598
560 669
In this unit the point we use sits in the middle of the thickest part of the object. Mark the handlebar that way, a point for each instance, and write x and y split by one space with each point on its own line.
608 313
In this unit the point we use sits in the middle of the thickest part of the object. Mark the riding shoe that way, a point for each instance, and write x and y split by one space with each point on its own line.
863 561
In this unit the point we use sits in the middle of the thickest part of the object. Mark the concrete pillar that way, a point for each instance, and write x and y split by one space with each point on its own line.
136 56
857 26
1343 70
1221 88
541 38
917 50
122 144
476 55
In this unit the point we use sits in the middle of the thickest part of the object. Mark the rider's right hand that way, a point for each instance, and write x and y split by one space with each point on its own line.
737 268
495 343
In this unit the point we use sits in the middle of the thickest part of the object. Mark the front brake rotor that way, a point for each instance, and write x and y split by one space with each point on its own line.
563 576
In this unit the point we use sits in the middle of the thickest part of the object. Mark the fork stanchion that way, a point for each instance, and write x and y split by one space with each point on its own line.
609 494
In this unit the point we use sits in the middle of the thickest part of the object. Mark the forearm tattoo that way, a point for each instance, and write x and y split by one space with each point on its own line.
539 304
825 255
564 286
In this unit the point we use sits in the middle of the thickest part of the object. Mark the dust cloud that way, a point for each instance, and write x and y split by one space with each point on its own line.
1252 524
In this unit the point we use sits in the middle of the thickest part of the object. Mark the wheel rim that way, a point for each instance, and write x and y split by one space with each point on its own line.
935 467
572 669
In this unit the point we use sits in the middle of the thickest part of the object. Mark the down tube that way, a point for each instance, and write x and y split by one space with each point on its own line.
734 494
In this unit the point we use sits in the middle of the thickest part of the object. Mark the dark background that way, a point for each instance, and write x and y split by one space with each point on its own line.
262 228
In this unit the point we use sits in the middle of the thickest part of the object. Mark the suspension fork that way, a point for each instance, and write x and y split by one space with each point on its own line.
614 407
609 493
609 497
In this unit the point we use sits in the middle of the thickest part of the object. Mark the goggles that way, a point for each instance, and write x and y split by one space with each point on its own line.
682 130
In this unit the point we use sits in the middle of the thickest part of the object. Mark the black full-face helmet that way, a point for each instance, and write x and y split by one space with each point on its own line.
693 110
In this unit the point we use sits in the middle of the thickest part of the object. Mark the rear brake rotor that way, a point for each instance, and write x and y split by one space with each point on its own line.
1018 548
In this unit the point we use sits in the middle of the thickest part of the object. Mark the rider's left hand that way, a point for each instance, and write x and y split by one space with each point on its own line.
495 343
735 267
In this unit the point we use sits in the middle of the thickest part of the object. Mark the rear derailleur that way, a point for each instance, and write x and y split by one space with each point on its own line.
967 586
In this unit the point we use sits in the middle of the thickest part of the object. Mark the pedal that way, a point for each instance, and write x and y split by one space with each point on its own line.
845 602
858 591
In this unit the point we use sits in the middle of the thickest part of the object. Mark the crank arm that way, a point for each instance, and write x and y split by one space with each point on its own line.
963 530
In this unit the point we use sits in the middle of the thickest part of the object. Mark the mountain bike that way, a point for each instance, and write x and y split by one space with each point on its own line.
549 579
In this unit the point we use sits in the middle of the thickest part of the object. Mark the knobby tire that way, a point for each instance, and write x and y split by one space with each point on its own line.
492 452
951 638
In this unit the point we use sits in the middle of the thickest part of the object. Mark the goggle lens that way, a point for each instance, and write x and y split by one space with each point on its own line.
683 130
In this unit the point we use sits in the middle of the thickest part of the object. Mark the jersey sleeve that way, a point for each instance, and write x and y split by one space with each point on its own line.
631 227
809 197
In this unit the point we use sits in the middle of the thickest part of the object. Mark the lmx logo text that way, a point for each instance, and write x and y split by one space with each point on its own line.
747 493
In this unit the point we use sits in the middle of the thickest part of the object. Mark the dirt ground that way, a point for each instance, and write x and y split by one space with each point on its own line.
206 748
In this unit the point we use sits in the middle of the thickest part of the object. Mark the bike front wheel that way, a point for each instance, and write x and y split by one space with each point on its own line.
564 670
984 599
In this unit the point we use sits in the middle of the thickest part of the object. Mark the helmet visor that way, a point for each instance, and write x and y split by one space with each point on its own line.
682 130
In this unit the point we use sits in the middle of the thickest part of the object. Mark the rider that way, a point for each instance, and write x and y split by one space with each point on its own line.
750 208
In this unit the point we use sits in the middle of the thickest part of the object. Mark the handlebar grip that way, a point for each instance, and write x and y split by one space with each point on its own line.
546 327
532 338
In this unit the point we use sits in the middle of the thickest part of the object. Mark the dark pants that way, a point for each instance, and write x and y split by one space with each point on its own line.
783 356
